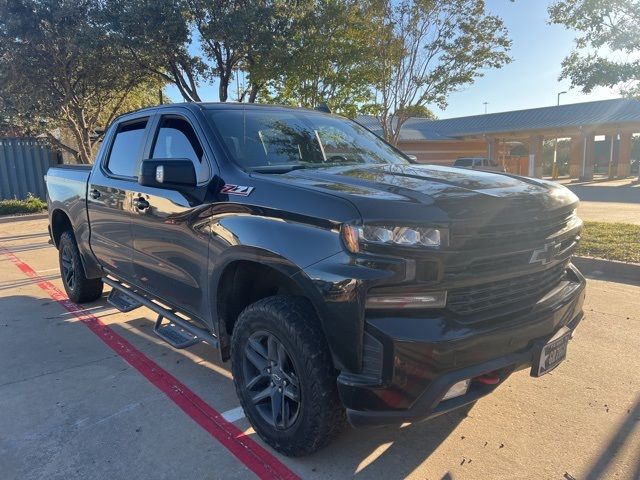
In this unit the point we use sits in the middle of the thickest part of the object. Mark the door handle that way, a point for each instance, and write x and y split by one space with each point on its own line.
140 203
95 193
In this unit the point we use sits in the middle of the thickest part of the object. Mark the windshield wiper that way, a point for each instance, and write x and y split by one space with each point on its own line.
276 168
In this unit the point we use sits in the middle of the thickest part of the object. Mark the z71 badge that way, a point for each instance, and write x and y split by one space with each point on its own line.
236 190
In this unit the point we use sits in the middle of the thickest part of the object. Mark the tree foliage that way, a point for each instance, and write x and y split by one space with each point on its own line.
270 51
76 64
433 48
59 69
605 52
156 36
331 57
419 111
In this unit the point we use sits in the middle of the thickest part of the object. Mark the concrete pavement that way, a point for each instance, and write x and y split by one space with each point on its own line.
70 407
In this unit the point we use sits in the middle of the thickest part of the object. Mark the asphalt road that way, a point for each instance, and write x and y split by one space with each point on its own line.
609 201
93 394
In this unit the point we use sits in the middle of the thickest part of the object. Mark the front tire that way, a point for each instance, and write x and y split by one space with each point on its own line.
79 288
284 375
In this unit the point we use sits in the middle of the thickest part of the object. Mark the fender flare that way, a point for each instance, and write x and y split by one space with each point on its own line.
218 267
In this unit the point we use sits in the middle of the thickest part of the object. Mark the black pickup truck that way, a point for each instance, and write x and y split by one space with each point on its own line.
342 279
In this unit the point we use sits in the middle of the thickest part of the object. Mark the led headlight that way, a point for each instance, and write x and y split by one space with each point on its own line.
354 236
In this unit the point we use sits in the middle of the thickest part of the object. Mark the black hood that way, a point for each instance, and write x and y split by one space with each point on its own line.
392 191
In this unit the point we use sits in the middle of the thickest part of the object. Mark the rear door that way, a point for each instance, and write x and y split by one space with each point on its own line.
170 240
109 193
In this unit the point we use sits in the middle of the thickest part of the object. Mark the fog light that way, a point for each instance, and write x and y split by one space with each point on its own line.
457 390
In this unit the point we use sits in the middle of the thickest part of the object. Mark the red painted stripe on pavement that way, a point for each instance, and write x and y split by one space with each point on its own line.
252 455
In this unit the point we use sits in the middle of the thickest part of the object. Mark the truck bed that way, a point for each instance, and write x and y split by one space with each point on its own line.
67 192
68 183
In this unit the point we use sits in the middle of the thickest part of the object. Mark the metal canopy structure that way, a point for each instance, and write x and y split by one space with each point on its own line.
618 119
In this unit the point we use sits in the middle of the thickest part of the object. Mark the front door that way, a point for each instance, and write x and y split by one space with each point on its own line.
170 242
109 194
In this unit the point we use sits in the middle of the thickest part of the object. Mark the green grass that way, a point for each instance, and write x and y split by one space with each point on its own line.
611 241
16 207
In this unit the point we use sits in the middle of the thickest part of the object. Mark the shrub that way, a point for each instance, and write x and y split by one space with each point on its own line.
30 205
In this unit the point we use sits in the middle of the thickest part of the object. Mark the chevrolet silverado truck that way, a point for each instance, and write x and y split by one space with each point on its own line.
343 280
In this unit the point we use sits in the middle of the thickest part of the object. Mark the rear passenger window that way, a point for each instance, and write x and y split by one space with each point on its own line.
177 140
125 149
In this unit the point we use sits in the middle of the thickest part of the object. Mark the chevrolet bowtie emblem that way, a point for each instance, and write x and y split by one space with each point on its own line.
545 254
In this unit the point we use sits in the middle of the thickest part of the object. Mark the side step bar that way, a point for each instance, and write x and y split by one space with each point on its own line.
174 335
179 333
122 300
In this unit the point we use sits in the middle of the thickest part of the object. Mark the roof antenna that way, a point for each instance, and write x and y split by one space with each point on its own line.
322 107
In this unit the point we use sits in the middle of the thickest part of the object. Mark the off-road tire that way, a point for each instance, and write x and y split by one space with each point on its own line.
321 416
79 288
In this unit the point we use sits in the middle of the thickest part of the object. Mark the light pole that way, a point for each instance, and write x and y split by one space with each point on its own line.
485 107
560 93
554 167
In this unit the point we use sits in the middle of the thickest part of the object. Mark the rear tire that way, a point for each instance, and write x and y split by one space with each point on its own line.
79 288
280 357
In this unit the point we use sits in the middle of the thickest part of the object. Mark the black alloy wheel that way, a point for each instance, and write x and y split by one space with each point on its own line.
79 288
271 380
68 272
284 375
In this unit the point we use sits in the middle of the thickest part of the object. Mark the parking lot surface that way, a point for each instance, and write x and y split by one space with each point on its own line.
91 393
609 201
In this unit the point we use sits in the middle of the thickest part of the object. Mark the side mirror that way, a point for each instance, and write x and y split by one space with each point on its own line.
174 174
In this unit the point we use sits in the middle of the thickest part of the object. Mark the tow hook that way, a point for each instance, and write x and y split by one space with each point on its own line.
491 378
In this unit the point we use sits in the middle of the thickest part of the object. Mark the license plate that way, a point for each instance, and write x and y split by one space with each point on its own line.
552 353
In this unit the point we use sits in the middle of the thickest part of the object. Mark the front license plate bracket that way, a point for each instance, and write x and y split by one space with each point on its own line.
551 354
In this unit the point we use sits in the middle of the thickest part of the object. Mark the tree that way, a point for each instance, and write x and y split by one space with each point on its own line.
270 50
605 53
418 111
156 36
60 70
431 48
331 57
226 29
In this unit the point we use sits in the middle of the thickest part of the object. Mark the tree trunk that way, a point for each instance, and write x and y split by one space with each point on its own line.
254 93
83 141
223 88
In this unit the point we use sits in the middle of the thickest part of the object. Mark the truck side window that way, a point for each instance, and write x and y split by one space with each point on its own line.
176 139
125 149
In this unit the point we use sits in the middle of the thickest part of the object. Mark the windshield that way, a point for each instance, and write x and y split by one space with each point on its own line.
271 140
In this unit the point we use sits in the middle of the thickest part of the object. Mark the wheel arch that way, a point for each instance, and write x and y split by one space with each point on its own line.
247 278
60 222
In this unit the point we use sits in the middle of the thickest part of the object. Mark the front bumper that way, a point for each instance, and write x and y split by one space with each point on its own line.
410 363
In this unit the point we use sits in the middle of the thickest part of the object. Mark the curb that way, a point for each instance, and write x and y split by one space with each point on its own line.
23 218
607 269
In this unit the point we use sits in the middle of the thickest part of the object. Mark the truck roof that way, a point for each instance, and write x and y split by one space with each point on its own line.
220 106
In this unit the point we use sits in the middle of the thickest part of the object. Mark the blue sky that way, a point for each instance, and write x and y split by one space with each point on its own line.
531 80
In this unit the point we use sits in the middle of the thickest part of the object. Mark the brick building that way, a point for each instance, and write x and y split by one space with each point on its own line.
494 135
